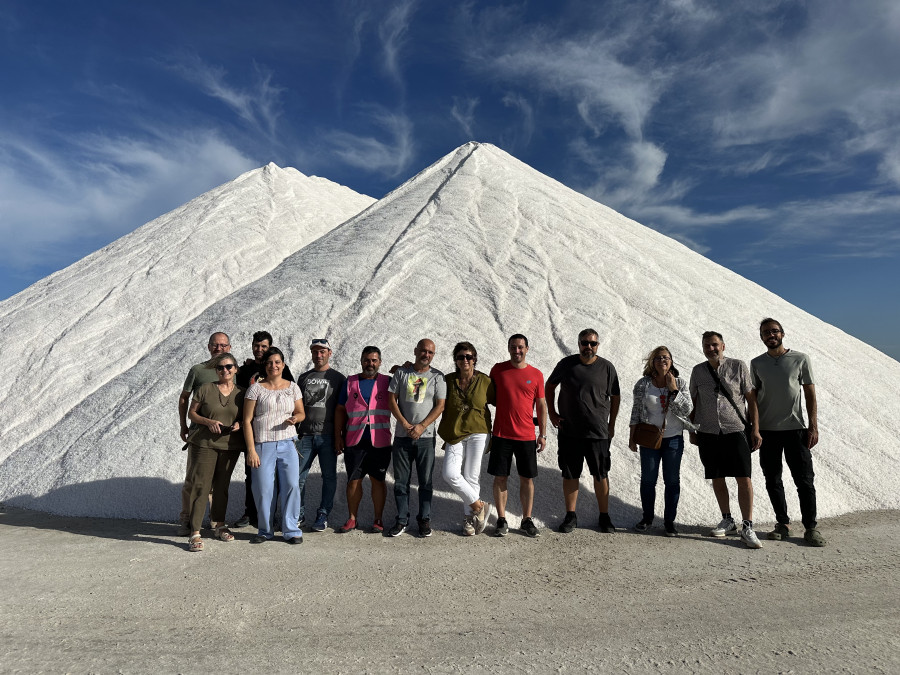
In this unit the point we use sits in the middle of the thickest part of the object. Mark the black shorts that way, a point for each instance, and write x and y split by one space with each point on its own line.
502 452
573 452
363 460
725 455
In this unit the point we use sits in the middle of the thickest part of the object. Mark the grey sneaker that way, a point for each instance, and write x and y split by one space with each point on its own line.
727 526
469 526
813 537
529 528
502 528
780 532
481 518
748 536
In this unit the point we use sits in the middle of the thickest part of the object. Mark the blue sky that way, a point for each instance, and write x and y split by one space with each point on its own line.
765 135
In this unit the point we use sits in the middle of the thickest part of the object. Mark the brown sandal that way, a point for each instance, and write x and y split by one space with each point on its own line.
223 533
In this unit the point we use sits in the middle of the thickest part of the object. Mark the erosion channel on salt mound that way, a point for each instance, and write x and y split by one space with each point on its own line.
477 246
77 329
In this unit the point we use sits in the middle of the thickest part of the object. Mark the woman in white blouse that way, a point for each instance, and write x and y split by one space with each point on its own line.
272 406
661 398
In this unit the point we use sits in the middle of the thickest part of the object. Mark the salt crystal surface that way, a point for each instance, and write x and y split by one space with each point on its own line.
476 247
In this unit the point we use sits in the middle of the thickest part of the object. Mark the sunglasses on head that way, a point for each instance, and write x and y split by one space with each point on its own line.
589 343
464 357
227 366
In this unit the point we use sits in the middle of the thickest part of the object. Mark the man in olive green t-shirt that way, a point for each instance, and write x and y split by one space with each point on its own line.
200 374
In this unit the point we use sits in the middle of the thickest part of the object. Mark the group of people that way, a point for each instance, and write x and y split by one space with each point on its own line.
728 409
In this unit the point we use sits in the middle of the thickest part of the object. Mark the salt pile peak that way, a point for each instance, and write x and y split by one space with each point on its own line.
121 301
476 247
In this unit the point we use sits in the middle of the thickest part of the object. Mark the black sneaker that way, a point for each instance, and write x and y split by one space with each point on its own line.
605 524
529 528
644 524
295 540
502 528
258 539
670 530
243 521
569 523
425 527
398 529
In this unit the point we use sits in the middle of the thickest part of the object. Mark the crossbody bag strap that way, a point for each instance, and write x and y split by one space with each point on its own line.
726 393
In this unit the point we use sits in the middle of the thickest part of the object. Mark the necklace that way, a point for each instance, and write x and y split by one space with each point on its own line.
224 401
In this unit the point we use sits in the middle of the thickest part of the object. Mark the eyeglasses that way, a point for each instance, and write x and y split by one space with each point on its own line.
589 343
772 331
664 359
464 357
227 366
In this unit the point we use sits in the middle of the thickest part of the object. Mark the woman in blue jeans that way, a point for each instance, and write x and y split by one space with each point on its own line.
272 406
661 398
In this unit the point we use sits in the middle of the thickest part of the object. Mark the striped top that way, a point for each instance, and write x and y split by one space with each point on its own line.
271 412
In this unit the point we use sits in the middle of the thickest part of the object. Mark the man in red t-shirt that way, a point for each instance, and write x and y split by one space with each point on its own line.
520 390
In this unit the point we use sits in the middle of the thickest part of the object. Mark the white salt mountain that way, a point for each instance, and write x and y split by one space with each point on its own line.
476 247
72 332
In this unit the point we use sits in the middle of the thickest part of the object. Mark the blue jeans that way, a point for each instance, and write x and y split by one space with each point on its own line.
669 454
280 457
406 451
321 446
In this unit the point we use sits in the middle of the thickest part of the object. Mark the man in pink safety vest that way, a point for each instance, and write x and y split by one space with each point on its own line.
362 433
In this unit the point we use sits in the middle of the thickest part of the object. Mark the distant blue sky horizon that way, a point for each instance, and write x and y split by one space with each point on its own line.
764 135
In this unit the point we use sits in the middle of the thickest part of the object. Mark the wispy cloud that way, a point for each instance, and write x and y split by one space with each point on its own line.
392 33
258 104
463 111
59 195
525 131
388 157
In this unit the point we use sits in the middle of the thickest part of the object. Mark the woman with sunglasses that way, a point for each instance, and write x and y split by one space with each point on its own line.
215 446
662 399
272 407
466 427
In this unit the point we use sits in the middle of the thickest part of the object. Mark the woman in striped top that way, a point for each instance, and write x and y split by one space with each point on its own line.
272 406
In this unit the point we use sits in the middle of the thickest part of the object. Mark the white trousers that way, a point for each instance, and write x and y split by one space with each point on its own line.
462 467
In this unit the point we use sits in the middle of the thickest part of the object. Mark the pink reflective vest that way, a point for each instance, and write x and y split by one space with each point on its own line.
375 413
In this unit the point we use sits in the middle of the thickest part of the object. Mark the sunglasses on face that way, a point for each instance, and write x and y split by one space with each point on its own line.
589 343
464 357
664 359
227 366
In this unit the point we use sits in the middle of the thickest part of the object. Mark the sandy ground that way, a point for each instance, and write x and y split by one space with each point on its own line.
93 595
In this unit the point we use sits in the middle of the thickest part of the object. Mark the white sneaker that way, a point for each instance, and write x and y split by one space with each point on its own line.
749 537
469 526
482 518
727 526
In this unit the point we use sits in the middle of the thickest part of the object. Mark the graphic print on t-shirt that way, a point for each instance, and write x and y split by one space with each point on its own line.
316 392
416 388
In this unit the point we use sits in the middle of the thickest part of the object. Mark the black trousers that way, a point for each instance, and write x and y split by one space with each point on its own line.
791 444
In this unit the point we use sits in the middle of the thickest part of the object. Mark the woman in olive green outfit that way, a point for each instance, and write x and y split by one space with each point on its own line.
466 427
215 446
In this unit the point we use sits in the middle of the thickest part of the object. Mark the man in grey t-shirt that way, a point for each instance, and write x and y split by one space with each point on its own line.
417 395
320 387
779 376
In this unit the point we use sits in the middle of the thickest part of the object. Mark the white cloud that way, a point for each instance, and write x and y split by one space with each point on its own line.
526 130
387 157
259 104
463 111
392 33
97 188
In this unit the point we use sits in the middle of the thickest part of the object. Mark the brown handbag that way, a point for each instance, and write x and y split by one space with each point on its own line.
650 435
